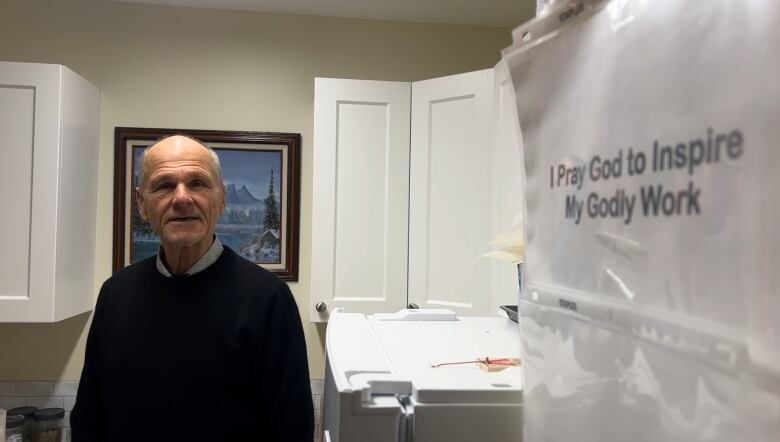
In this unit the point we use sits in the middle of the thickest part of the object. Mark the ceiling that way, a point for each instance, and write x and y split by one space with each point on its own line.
503 13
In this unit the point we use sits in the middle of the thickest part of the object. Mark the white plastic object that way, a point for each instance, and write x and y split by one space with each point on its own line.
650 309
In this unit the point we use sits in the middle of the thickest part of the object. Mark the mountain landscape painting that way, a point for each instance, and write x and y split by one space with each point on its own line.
251 223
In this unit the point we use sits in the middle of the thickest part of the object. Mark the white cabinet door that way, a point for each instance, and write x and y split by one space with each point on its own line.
48 140
450 194
360 196
506 183
28 116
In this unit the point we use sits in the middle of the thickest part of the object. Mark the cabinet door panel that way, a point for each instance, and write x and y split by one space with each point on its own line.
360 196
17 106
29 140
450 206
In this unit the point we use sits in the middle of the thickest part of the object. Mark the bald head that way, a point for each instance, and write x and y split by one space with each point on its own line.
175 146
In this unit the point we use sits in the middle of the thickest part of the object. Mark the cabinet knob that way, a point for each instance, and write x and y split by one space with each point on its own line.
412 306
321 307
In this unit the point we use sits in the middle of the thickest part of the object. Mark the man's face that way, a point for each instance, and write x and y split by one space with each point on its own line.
181 196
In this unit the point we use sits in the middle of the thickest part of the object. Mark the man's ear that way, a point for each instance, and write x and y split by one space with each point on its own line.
139 199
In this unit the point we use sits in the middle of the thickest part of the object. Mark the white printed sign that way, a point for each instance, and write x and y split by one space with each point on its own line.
651 151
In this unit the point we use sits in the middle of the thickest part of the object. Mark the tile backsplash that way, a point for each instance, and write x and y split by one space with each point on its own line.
62 394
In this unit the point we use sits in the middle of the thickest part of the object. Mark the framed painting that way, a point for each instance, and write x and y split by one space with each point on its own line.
261 174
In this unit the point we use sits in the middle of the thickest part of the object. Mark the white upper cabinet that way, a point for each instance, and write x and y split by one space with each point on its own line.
450 193
506 182
418 176
360 196
49 145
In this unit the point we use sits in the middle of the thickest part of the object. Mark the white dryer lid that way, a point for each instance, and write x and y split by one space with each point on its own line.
398 357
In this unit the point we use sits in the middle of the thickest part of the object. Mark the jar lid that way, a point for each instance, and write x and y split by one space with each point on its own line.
49 414
22 411
13 421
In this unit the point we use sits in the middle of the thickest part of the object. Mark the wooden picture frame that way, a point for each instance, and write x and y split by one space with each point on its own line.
258 168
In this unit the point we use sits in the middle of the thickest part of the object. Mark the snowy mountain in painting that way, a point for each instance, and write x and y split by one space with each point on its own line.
246 197
242 196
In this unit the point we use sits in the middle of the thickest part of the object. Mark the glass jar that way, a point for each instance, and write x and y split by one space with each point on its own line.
29 422
13 428
48 425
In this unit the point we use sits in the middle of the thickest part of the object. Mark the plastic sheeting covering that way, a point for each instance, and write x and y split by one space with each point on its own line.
544 6
651 309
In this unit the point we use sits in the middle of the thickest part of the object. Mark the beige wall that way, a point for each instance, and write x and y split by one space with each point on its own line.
205 69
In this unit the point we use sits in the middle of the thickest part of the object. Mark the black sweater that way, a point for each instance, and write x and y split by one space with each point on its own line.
216 356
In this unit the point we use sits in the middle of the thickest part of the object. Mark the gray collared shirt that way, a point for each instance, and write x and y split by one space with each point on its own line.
208 258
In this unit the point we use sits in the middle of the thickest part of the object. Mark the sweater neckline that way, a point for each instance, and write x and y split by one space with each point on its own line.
197 278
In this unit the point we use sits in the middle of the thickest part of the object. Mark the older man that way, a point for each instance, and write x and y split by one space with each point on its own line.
197 343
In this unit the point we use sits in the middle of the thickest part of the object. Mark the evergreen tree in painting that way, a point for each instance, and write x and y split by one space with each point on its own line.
271 219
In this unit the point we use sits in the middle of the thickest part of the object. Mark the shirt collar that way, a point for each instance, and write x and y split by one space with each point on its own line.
208 258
